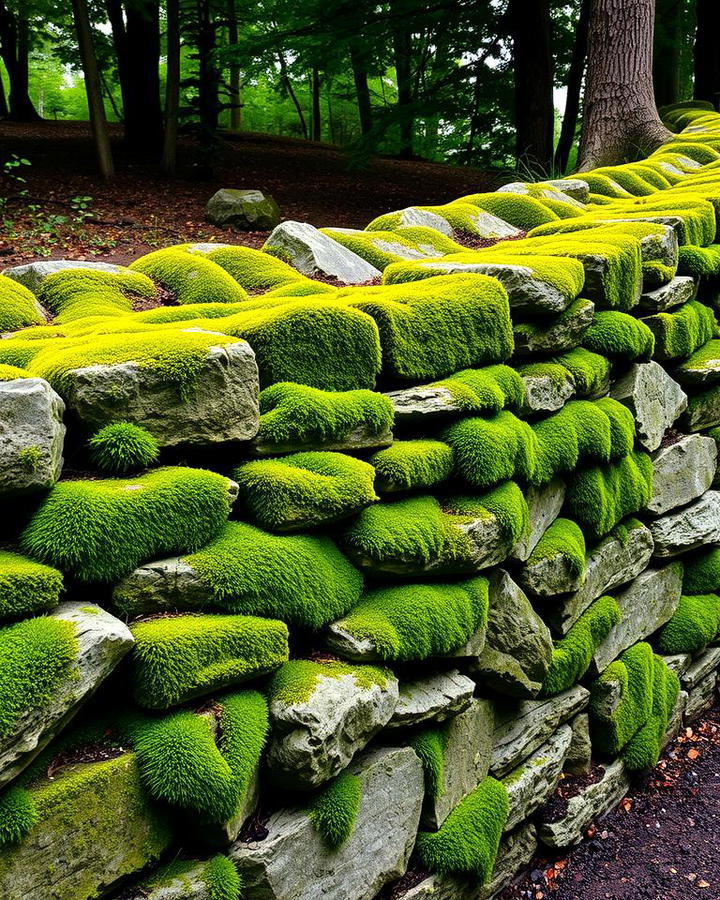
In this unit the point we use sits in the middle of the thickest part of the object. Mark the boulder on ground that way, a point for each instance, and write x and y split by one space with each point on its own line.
32 275
312 252
688 528
433 698
246 210
530 784
682 472
654 399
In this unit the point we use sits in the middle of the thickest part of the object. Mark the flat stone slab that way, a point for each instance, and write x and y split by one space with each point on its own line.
357 649
703 367
293 860
688 528
102 640
701 697
654 399
362 438
544 505
678 663
557 335
647 604
312 252
700 668
32 275
531 783
682 472
703 411
677 291
434 698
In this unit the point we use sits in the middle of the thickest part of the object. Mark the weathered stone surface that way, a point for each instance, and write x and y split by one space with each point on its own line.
95 827
550 190
654 399
682 472
700 668
247 210
220 405
467 750
314 739
33 274
363 649
681 289
518 646
676 720
609 564
678 663
32 435
386 245
544 505
688 528
189 885
434 698
423 403
704 410
293 861
414 216
645 605
312 252
592 801
103 640
557 335
701 371
550 576
521 726
544 394
361 438
573 187
579 755
162 586
701 697
531 783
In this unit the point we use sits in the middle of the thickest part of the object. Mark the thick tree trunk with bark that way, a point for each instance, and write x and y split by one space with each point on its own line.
707 52
667 50
14 50
532 61
574 87
621 122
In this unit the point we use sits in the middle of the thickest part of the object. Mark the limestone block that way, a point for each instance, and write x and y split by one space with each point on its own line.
682 472
654 399
688 528
433 698
531 783
312 252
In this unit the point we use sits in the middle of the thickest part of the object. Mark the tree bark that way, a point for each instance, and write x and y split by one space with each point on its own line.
172 87
533 64
706 52
574 88
316 114
621 122
667 50
284 75
234 82
93 88
360 77
402 61
14 51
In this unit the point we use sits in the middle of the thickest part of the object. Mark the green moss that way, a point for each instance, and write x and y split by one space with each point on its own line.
614 724
295 681
485 390
334 809
73 294
430 747
682 331
304 489
412 464
254 270
563 538
18 306
101 530
622 426
27 587
628 178
30 458
18 815
467 842
123 447
601 496
697 261
705 359
304 288
693 149
488 451
222 879
36 657
702 574
602 184
419 621
187 656
590 371
573 654
619 336
520 210
643 749
380 248
10 373
506 502
191 278
695 623
294 413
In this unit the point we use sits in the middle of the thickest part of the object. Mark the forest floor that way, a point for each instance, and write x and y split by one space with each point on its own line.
661 843
139 210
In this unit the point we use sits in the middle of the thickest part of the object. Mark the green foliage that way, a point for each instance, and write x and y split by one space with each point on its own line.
702 574
643 749
619 336
418 621
563 538
18 815
295 681
222 879
590 371
190 277
101 530
520 210
467 842
488 451
73 294
123 447
412 464
334 809
304 489
430 747
682 331
187 656
695 623
699 261
27 587
615 721
485 390
573 654
18 306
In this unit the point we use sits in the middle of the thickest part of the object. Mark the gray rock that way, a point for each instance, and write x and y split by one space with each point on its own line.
247 210
220 405
489 226
32 275
544 505
414 216
688 528
32 435
682 472
424 402
313 740
681 289
550 576
521 726
654 399
701 697
573 187
191 884
518 646
611 563
376 852
544 394
645 605
312 252
582 809
703 410
385 245
434 698
531 783
562 333
579 755
361 438
102 640
162 586
678 663
703 368
702 666
676 720
467 750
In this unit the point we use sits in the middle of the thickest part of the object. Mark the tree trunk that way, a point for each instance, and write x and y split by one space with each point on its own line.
208 74
402 61
172 87
574 88
14 52
3 101
234 83
706 53
291 93
360 76
532 61
667 50
621 121
93 88
316 115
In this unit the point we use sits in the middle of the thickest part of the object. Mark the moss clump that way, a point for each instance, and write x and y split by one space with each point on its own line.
467 842
406 465
573 654
73 294
123 447
219 875
615 723
619 336
430 747
695 623
601 496
18 306
254 270
485 390
191 278
603 185
295 681
643 749
622 426
333 811
563 538
702 574
18 815
101 530
419 621
36 657
590 371
27 587
10 373
305 489
297 414
520 210
488 451
380 248
699 261
506 502
682 331
704 360
187 656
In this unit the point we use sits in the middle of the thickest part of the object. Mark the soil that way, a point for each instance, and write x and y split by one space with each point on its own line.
139 210
661 843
